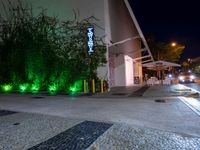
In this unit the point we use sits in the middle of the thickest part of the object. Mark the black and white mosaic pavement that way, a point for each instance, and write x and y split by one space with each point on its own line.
22 131
6 112
78 137
44 132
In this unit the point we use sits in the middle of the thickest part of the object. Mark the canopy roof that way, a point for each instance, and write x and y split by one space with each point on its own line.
160 64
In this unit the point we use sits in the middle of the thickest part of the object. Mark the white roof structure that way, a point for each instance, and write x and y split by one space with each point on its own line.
139 31
161 63
138 35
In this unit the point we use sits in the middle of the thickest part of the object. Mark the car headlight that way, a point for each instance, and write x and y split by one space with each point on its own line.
181 77
192 77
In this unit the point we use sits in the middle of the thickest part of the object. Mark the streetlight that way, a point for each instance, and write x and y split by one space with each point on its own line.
173 44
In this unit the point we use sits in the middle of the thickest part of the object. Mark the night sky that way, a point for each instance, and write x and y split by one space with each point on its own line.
171 20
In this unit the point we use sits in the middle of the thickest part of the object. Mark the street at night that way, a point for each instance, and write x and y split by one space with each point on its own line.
99 75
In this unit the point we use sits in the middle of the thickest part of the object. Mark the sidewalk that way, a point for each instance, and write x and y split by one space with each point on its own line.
168 91
118 92
135 121
145 91
172 115
43 132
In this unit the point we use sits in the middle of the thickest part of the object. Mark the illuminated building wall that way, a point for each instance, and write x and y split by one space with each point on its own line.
124 44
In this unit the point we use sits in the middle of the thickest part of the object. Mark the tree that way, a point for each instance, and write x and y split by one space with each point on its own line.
164 51
195 63
185 65
197 69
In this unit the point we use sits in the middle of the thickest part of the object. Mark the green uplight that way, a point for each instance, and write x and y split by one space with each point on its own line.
53 88
23 87
76 87
73 89
35 88
6 87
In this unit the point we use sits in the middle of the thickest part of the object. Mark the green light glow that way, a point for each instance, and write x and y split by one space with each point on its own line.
23 87
76 87
46 54
73 89
35 88
6 87
53 88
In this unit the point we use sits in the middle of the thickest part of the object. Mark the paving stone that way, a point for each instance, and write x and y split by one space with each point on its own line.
124 137
32 129
78 137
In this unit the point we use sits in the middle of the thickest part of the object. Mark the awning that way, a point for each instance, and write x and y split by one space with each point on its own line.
160 64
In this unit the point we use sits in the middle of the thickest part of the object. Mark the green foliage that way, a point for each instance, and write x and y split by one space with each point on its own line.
41 52
185 64
197 68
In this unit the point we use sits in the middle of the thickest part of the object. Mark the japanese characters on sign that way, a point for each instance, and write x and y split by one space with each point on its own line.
90 39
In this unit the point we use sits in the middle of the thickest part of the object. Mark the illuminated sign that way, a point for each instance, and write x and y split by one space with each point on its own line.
90 39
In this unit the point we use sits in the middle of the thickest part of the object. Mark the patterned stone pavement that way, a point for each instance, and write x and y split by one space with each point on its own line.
78 137
20 131
124 137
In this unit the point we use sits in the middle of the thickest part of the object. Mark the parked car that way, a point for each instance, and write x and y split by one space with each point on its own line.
186 77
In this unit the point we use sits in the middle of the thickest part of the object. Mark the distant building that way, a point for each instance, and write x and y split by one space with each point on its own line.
120 30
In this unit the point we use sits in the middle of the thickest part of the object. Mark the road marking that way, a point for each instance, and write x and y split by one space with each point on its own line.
192 103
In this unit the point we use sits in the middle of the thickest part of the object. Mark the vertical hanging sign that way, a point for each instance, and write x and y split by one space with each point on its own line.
90 39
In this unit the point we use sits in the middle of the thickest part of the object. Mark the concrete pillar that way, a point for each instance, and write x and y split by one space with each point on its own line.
119 70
